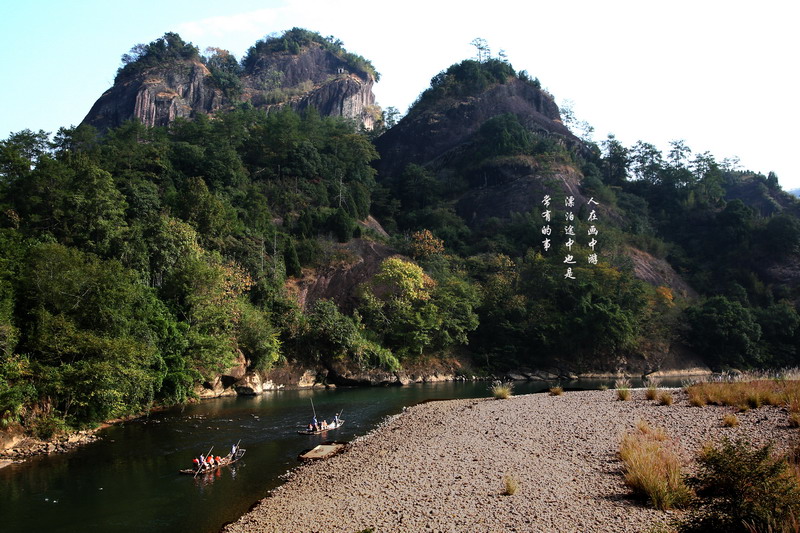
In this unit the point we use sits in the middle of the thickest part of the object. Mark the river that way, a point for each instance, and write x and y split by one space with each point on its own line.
128 480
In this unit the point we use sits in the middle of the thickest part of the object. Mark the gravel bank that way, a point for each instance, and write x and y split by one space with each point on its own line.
440 467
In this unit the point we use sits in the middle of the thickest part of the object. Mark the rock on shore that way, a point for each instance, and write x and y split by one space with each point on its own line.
440 466
20 448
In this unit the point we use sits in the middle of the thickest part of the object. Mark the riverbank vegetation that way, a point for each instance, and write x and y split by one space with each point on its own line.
750 391
736 486
744 488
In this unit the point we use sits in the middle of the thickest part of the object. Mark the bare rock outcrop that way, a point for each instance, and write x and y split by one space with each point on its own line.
658 272
339 281
314 78
157 97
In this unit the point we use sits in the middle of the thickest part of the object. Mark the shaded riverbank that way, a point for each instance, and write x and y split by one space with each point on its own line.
440 467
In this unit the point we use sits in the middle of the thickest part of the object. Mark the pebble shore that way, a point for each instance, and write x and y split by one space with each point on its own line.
440 467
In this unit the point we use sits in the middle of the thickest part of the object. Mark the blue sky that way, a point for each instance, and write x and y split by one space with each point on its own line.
719 75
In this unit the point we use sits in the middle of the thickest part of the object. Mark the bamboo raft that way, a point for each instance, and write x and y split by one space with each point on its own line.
330 427
224 461
322 451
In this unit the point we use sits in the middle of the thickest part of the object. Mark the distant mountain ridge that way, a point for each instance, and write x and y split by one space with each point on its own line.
169 79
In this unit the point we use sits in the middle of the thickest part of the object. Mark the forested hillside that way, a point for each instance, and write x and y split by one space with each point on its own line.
137 264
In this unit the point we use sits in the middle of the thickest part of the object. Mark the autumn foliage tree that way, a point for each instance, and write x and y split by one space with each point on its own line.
425 244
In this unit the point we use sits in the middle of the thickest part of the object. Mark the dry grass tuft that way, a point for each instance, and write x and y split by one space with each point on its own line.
556 391
697 401
501 391
657 434
623 387
665 398
730 421
651 393
652 467
511 485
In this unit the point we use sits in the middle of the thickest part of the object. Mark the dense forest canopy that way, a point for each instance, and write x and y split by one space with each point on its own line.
136 265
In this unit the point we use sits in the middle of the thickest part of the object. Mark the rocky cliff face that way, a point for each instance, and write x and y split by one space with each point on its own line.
157 97
315 77
183 89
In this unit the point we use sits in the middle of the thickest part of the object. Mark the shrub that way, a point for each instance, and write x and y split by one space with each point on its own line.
501 390
511 485
652 468
47 426
730 421
744 488
556 391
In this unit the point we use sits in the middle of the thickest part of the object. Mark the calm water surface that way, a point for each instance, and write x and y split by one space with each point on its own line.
129 480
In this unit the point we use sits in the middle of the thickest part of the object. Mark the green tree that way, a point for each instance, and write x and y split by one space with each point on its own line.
21 152
205 211
616 161
396 304
225 71
341 224
482 49
724 333
781 236
417 188
780 327
165 49
257 338
333 336
204 289
291 260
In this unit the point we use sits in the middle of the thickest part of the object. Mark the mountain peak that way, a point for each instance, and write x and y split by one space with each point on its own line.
459 102
169 79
